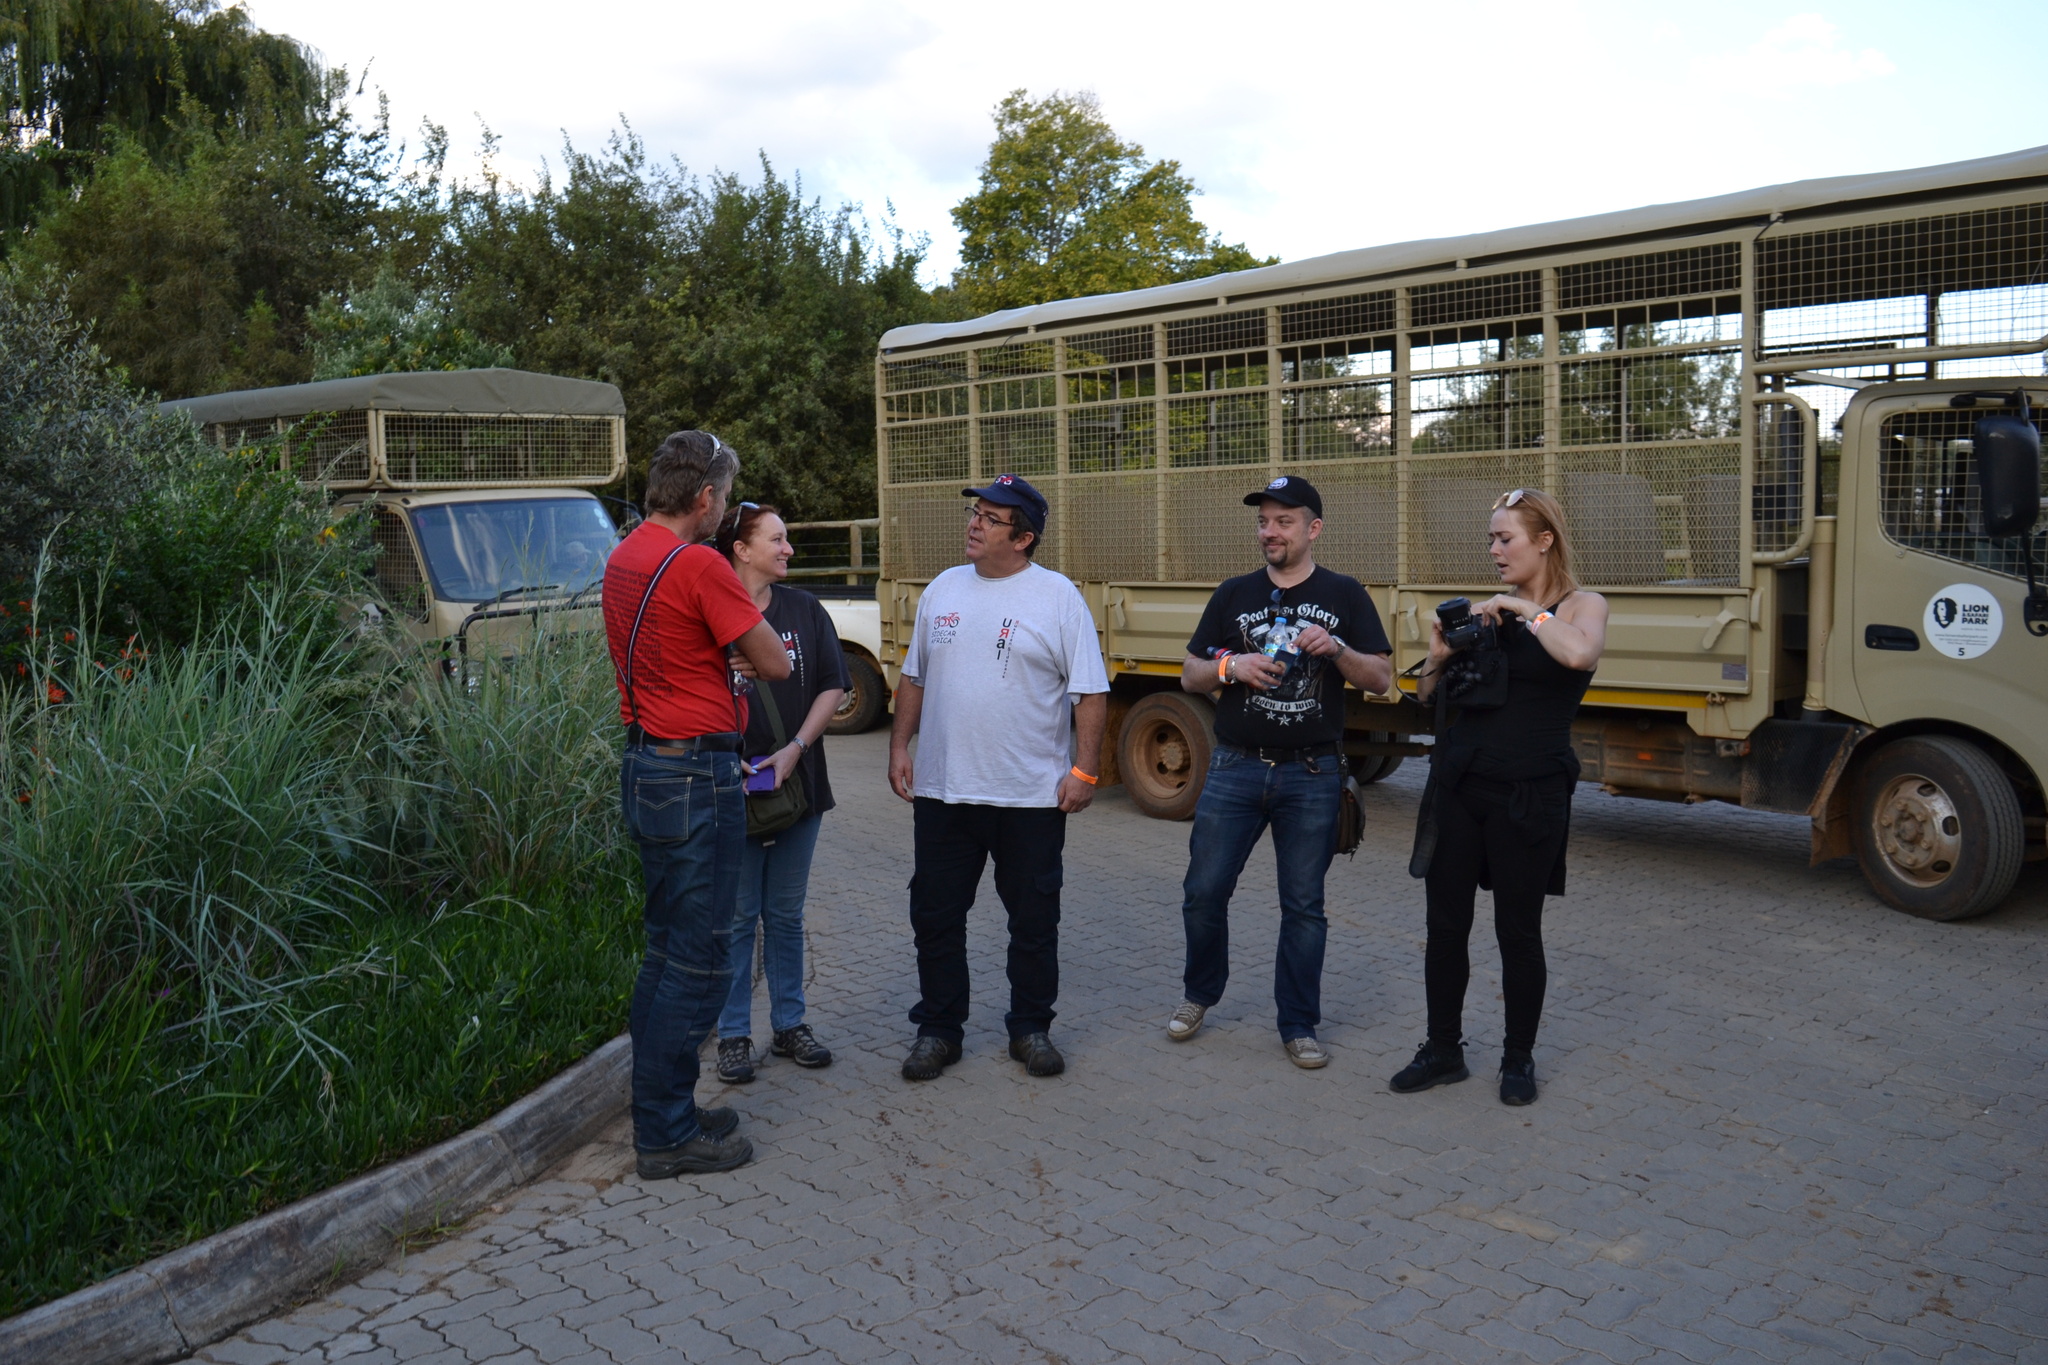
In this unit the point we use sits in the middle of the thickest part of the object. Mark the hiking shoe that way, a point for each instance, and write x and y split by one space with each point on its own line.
736 1060
716 1122
1517 1080
1186 1021
800 1047
701 1154
1038 1054
928 1057
1432 1066
1307 1053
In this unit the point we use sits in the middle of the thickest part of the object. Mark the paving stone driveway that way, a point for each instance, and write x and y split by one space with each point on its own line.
1778 1121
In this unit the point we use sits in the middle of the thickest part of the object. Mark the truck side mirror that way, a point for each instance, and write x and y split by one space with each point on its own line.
2008 453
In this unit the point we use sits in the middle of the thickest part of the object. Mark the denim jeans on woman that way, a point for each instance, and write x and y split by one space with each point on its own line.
775 876
689 818
1242 796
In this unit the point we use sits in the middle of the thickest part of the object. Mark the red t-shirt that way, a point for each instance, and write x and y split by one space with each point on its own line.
680 678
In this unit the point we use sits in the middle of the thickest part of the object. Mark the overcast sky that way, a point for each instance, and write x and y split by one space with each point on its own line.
1308 129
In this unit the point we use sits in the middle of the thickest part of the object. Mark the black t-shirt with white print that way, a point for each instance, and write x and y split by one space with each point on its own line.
1307 708
815 665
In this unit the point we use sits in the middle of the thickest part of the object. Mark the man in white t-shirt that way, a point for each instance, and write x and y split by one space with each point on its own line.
1002 674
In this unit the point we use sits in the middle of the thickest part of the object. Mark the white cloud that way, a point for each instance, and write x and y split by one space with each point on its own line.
1804 52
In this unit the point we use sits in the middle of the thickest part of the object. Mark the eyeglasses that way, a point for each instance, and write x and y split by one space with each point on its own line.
975 514
1510 499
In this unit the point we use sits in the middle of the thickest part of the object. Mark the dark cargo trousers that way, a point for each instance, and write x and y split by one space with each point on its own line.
953 843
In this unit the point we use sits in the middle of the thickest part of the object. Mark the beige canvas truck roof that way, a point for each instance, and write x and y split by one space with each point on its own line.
492 391
1491 248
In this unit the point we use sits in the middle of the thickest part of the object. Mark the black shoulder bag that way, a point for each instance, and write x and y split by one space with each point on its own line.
770 813
1350 812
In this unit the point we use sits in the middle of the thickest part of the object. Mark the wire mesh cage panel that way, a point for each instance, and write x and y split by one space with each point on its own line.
1117 346
1216 332
923 530
1111 527
1019 395
1469 300
925 404
1224 428
1361 518
1654 397
924 372
1928 498
1022 443
1450 502
1106 437
1210 533
1777 492
242 435
397 566
329 447
925 451
1024 357
1337 421
1663 514
422 449
1351 315
1712 269
1479 411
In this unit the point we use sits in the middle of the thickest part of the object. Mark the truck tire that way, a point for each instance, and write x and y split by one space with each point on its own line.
1938 827
1376 767
1163 753
862 705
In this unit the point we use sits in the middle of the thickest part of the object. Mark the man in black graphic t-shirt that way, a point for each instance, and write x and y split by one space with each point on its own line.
1275 648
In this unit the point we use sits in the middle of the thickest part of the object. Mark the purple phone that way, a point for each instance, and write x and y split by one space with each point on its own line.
764 780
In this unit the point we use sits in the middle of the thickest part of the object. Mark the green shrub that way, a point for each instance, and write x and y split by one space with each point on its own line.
280 907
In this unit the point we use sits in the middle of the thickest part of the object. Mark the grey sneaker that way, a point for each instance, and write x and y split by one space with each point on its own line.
1307 1053
735 1060
1186 1021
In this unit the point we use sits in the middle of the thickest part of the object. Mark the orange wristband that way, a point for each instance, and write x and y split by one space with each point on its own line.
1538 619
1223 666
1091 781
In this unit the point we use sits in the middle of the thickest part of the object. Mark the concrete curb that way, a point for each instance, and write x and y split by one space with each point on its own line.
168 1308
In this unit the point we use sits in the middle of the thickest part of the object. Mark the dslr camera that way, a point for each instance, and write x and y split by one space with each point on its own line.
1462 630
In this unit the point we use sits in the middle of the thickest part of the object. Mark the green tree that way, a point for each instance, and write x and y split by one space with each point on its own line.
389 327
73 72
1066 208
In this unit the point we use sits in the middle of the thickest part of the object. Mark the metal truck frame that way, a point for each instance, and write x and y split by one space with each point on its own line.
1746 405
411 448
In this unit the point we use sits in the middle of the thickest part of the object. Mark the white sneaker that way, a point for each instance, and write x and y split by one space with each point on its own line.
1307 1053
1186 1021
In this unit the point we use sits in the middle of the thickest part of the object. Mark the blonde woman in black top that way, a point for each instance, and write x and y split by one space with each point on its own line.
1497 811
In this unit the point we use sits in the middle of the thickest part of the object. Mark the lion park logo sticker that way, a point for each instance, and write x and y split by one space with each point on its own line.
1963 621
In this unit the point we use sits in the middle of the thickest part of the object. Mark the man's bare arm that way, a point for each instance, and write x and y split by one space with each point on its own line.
762 648
909 707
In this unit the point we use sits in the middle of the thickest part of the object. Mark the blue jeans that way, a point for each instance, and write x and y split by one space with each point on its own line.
1242 796
689 818
775 875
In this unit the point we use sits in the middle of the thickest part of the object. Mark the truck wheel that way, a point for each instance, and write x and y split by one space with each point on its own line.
862 705
1164 752
1376 767
1938 827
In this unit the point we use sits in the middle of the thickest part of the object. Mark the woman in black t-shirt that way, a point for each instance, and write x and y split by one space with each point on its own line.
1497 810
775 872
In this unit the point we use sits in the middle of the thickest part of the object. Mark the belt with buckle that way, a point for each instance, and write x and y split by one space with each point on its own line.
1302 755
726 742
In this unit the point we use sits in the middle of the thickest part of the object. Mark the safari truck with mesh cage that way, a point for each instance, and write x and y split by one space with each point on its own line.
477 482
1761 412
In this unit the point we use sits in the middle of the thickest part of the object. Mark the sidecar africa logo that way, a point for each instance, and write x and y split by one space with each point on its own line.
1005 646
945 628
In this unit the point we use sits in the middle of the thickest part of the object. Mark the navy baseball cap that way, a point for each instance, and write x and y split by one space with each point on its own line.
1009 490
1289 490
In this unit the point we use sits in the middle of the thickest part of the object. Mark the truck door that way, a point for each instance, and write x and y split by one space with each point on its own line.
1933 618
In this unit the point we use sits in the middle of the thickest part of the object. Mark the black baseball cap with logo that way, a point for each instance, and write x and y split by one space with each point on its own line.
1008 490
1289 490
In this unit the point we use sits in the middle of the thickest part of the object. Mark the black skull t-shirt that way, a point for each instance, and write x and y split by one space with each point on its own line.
1308 706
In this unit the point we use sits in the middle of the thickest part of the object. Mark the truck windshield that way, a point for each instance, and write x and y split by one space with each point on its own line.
478 550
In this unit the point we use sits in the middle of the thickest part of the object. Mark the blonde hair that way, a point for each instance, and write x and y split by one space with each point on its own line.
1539 513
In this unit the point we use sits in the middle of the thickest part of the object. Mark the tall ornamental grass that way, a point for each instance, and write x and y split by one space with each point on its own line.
281 906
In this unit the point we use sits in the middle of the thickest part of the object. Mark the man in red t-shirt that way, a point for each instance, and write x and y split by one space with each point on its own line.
679 623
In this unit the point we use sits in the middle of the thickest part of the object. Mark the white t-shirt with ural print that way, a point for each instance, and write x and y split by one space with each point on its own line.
1001 661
